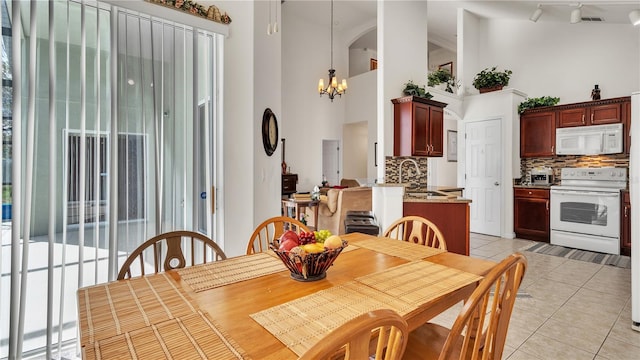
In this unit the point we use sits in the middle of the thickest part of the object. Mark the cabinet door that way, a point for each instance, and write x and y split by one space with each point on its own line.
537 134
420 139
605 114
436 128
531 218
625 225
572 117
626 115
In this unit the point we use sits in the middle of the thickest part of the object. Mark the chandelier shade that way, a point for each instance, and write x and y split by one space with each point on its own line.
333 88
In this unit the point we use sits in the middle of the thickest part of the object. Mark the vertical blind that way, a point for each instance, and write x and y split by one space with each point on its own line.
99 142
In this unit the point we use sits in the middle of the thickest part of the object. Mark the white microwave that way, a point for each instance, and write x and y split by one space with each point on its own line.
589 140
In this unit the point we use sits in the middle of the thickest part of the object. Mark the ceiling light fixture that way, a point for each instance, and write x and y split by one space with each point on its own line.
576 14
634 17
536 14
333 88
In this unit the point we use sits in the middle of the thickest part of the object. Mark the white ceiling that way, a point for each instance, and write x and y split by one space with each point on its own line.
442 14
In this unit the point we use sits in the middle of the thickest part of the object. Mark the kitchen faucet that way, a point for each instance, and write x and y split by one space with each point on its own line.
400 169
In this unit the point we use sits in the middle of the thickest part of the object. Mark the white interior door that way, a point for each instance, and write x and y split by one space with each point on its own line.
331 161
483 168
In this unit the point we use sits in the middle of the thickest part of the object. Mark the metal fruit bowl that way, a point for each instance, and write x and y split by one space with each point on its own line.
307 266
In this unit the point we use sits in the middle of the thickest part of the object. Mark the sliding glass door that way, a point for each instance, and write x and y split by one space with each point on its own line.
108 120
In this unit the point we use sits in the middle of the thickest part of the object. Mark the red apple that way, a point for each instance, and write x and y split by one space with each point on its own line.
287 245
290 235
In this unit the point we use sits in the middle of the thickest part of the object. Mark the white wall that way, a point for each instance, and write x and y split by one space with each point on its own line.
267 80
360 60
308 118
238 155
402 56
441 56
354 154
563 60
361 100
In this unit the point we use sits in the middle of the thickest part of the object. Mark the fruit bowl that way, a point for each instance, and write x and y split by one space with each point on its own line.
307 266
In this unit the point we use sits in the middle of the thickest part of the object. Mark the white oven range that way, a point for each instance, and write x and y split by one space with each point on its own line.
585 209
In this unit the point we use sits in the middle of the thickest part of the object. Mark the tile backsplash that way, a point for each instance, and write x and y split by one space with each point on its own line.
409 173
570 161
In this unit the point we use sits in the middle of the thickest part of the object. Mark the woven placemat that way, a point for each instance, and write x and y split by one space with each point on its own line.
418 282
301 323
112 309
192 336
399 248
218 273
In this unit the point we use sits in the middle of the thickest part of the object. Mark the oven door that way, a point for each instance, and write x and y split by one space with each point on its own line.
586 212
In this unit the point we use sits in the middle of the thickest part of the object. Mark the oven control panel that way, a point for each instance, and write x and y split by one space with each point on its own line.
598 174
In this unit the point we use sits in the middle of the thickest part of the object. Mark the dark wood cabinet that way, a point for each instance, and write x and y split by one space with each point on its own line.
289 183
625 224
417 127
537 134
626 115
451 218
584 115
531 213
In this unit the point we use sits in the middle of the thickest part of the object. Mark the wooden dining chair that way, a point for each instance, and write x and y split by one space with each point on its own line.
353 340
417 230
480 330
167 251
270 230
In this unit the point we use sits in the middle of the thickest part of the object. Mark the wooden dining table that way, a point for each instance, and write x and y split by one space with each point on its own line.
250 307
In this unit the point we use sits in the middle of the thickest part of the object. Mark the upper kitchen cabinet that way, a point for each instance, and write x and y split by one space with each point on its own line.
537 133
600 112
417 127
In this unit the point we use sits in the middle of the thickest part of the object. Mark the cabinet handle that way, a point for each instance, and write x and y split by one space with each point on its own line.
547 205
626 212
583 118
552 147
591 117
529 192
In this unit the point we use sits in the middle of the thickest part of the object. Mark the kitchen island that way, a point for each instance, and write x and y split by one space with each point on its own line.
445 207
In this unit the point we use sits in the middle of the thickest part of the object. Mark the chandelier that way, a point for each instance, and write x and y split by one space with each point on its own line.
333 88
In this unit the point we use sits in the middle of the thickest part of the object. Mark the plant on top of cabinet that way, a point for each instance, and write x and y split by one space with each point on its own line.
531 103
491 79
442 76
411 89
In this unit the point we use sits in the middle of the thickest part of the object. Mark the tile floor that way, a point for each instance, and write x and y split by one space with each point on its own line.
570 309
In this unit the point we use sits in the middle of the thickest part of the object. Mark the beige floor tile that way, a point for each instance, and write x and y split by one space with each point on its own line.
619 350
591 320
549 348
611 280
521 355
588 339
622 331
574 272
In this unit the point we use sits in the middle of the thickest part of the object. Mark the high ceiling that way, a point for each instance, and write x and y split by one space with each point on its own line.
442 14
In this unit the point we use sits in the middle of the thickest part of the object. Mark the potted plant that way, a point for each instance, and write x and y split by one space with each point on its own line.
531 103
411 89
491 79
442 76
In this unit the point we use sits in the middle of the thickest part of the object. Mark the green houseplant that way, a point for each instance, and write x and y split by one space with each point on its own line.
442 76
411 89
491 79
531 103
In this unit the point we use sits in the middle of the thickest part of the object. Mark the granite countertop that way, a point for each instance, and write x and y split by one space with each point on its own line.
532 186
434 194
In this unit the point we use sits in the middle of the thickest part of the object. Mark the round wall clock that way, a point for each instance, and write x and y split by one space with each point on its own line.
269 131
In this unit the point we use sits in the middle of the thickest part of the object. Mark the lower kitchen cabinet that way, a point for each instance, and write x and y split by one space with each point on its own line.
531 213
451 218
625 224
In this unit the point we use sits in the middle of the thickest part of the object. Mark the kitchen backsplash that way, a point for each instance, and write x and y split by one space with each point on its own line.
559 162
409 173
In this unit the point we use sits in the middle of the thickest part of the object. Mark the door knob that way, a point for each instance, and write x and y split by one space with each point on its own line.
496 183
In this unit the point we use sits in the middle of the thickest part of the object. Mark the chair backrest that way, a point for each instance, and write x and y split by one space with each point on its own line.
385 327
270 230
417 230
484 319
167 251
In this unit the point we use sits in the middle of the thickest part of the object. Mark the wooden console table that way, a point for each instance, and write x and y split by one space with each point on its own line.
298 206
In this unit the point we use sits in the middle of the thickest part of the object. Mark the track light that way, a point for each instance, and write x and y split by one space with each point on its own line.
576 15
536 14
634 16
